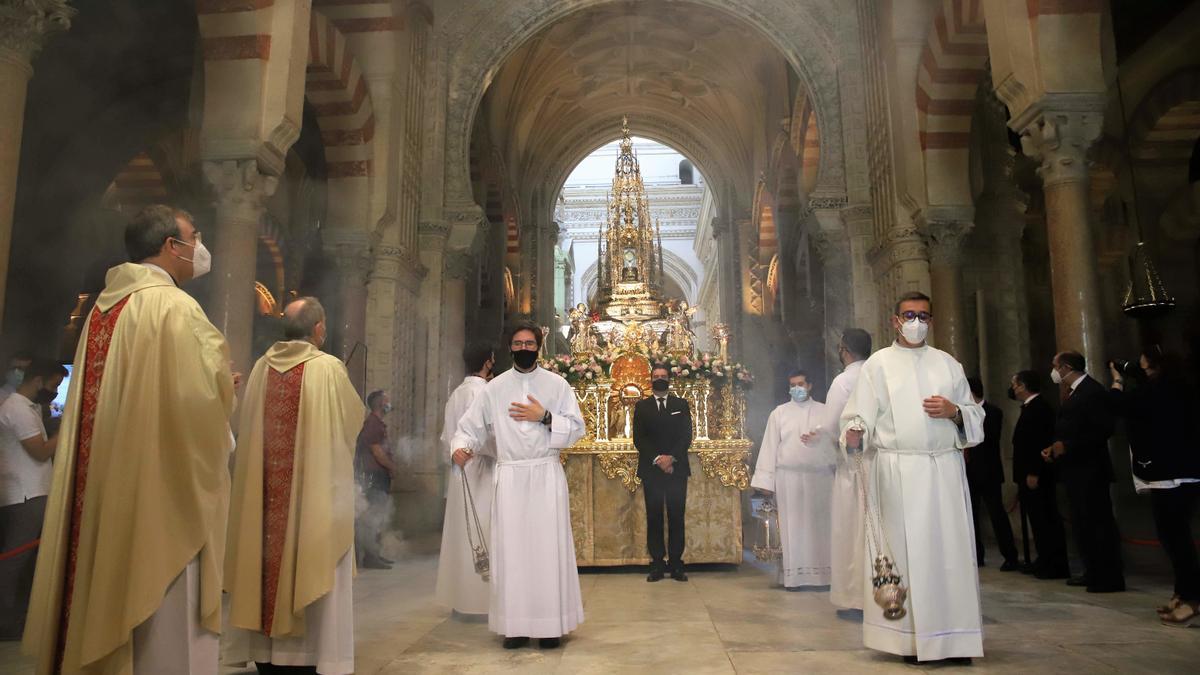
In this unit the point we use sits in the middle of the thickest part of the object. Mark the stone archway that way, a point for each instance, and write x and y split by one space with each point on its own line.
810 38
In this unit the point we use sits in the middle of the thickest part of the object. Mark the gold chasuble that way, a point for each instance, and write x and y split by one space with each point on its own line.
141 480
292 514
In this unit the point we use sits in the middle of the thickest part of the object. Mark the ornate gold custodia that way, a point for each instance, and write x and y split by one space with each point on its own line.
621 465
729 467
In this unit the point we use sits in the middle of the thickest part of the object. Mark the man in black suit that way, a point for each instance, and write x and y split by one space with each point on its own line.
1080 452
1035 479
662 434
985 476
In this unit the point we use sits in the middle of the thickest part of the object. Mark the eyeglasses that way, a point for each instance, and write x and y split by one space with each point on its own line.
909 315
528 344
198 241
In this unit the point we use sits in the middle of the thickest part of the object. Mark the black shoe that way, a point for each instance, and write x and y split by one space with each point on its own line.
911 660
515 642
1010 566
374 562
549 643
1113 587
655 575
386 561
1029 568
1081 580
679 575
959 660
1052 573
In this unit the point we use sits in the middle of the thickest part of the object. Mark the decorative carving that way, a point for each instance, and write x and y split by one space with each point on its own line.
1061 141
25 25
241 190
621 465
944 240
729 466
459 265
832 202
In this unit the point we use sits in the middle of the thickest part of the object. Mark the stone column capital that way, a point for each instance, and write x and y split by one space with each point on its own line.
350 251
239 188
25 25
1059 140
465 220
459 265
433 235
901 245
390 263
831 245
944 239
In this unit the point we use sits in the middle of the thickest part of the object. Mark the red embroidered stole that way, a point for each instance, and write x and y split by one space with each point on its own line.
100 332
281 412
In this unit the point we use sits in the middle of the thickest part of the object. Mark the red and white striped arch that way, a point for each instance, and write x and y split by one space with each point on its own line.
337 91
953 63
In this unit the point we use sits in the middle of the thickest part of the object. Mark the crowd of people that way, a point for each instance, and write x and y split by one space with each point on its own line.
153 514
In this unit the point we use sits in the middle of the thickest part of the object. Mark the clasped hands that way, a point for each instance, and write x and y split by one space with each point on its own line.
666 463
1054 451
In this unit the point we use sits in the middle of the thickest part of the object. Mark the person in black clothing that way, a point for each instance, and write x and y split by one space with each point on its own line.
1080 452
662 434
985 475
1035 479
1161 422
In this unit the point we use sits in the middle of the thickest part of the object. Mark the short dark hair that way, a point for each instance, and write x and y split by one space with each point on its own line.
1074 361
798 373
660 366
301 323
976 386
476 354
1030 380
45 368
1155 357
529 326
153 225
857 341
913 296
373 398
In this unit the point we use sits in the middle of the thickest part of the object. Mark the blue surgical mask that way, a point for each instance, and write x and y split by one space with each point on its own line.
14 378
799 394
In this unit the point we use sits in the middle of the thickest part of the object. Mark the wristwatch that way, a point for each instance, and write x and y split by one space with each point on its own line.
547 418
958 417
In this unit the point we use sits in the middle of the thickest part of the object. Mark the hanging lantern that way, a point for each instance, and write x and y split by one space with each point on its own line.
769 515
1147 297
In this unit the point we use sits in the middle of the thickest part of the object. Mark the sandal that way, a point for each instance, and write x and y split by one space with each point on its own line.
1186 615
1170 606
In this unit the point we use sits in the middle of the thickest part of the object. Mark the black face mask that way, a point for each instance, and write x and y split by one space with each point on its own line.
1012 394
44 397
524 358
660 386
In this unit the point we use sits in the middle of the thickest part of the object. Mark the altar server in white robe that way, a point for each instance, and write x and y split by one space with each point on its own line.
459 586
532 414
800 474
913 406
848 526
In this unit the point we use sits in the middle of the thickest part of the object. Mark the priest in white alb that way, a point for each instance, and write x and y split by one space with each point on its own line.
129 569
459 586
532 414
799 473
913 407
290 560
848 525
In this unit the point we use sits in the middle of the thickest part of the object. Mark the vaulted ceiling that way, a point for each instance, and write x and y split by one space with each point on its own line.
688 76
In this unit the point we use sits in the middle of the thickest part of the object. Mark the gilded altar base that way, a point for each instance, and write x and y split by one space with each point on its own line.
608 512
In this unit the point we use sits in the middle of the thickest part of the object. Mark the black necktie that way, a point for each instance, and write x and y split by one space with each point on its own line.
662 405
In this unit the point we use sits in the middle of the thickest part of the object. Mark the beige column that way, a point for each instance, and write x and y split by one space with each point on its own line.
241 194
351 255
24 26
1060 141
944 240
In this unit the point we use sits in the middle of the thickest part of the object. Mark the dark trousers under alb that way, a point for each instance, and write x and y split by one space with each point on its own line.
1095 530
988 496
1041 506
665 493
1173 511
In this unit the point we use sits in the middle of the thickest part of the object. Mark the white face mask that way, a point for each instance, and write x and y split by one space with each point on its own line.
1055 377
201 259
914 331
799 394
15 377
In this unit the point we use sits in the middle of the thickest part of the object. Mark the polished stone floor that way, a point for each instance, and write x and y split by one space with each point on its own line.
729 620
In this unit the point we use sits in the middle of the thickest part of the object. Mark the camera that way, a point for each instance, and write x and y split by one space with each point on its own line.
1127 368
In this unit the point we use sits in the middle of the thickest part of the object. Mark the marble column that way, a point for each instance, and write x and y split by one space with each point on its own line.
944 240
24 27
1059 140
834 248
351 255
241 194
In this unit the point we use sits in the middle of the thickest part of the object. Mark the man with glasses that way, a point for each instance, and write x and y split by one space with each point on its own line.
913 407
532 414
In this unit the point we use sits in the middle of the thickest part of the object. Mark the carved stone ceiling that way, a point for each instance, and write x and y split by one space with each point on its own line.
686 75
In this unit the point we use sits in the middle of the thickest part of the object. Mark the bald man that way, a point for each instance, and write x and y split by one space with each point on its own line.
289 560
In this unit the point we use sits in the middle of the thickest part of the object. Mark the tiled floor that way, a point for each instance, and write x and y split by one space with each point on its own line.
733 620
